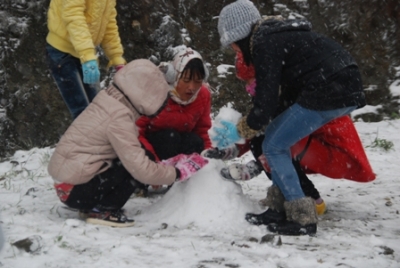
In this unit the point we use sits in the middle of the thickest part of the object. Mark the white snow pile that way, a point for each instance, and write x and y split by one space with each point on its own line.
207 200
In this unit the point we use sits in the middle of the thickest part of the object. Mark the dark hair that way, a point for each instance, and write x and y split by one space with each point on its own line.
244 45
195 68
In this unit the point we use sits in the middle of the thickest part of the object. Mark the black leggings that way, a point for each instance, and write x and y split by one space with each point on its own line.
306 184
169 142
109 190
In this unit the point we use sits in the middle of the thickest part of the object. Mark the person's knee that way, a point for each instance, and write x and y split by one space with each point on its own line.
196 140
166 136
271 147
192 143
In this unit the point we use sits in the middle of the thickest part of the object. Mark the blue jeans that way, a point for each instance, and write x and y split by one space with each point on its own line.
67 73
285 131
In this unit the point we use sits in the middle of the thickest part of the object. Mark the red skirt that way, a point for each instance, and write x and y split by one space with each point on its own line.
335 151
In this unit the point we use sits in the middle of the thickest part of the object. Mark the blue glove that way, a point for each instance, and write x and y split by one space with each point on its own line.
226 136
91 73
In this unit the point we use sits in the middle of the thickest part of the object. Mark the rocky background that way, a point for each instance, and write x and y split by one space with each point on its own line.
32 113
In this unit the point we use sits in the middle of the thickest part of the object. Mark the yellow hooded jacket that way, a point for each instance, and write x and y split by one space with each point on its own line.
76 27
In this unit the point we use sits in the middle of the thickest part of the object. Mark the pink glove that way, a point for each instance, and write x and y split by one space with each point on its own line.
187 167
186 164
119 67
173 160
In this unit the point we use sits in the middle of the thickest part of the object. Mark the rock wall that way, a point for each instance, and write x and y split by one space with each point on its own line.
32 112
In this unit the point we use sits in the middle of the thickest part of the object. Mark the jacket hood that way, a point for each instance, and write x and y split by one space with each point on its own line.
274 26
144 85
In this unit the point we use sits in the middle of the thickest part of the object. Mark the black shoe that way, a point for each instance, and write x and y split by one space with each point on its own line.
267 217
292 228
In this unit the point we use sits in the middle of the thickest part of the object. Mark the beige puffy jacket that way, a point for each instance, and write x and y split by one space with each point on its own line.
76 27
106 130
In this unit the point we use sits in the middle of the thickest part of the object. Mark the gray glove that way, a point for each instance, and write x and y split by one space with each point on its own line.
242 172
223 154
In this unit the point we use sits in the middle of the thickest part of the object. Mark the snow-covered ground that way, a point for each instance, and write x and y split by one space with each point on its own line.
200 223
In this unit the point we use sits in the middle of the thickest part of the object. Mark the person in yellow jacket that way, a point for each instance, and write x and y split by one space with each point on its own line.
76 29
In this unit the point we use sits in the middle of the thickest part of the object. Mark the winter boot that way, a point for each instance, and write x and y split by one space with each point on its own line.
275 212
320 205
242 172
301 218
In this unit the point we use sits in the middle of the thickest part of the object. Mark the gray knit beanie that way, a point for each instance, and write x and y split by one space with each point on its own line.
235 21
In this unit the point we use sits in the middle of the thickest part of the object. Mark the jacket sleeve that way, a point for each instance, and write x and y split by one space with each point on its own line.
75 23
142 124
122 134
268 57
111 43
204 123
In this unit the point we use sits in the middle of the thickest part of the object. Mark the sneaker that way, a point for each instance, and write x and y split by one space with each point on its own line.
241 172
267 217
83 214
115 218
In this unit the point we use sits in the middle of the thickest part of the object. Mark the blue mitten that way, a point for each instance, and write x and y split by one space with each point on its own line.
227 135
91 73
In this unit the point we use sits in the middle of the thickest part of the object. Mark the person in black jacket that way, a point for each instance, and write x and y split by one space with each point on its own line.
319 79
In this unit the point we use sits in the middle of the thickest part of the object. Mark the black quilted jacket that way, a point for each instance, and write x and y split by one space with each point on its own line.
294 64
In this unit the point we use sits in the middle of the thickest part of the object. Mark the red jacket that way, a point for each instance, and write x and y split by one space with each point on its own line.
194 117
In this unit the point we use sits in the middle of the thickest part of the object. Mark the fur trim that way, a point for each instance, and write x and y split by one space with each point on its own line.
275 199
301 211
244 130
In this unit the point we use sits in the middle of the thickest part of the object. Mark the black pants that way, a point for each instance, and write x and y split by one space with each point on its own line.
109 190
305 183
169 142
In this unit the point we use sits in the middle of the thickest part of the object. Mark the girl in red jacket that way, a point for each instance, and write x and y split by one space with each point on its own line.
182 126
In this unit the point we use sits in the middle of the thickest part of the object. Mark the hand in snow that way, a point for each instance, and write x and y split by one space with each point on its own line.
186 165
242 172
223 154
